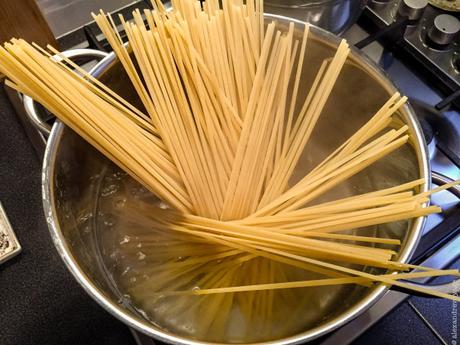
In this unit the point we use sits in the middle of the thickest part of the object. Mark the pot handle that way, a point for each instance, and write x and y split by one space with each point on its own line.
451 288
440 179
31 106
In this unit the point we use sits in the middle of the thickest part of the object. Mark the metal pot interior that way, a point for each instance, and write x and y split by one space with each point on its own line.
76 175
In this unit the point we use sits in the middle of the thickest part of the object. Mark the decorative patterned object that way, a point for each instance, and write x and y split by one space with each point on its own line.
9 245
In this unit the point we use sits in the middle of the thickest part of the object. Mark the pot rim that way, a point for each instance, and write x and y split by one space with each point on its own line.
305 5
150 329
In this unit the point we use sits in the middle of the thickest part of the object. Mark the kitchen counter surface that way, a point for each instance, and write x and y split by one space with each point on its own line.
40 302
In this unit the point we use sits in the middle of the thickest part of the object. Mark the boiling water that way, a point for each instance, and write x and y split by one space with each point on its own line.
147 265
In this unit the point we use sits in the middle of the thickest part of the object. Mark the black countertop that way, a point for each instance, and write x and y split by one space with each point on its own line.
40 302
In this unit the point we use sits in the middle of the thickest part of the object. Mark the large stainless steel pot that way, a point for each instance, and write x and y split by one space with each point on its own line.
73 171
335 16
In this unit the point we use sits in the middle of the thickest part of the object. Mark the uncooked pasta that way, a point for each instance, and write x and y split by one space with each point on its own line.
217 141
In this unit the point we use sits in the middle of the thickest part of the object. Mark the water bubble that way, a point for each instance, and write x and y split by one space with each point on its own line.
132 279
94 177
158 298
141 256
163 205
114 255
109 220
84 217
109 190
127 269
188 328
196 288
139 192
119 175
125 239
124 299
134 191
120 203
139 245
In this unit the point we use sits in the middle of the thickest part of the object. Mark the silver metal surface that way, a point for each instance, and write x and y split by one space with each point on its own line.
444 29
66 15
386 11
439 179
69 186
9 245
33 114
335 16
36 137
413 9
31 107
442 61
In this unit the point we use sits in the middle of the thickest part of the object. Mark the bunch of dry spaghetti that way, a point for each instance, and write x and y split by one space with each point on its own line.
218 141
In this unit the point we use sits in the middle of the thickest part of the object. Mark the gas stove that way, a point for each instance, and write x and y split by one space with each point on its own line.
418 46
424 34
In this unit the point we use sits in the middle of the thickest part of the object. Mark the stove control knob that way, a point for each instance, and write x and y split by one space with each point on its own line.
444 29
413 9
